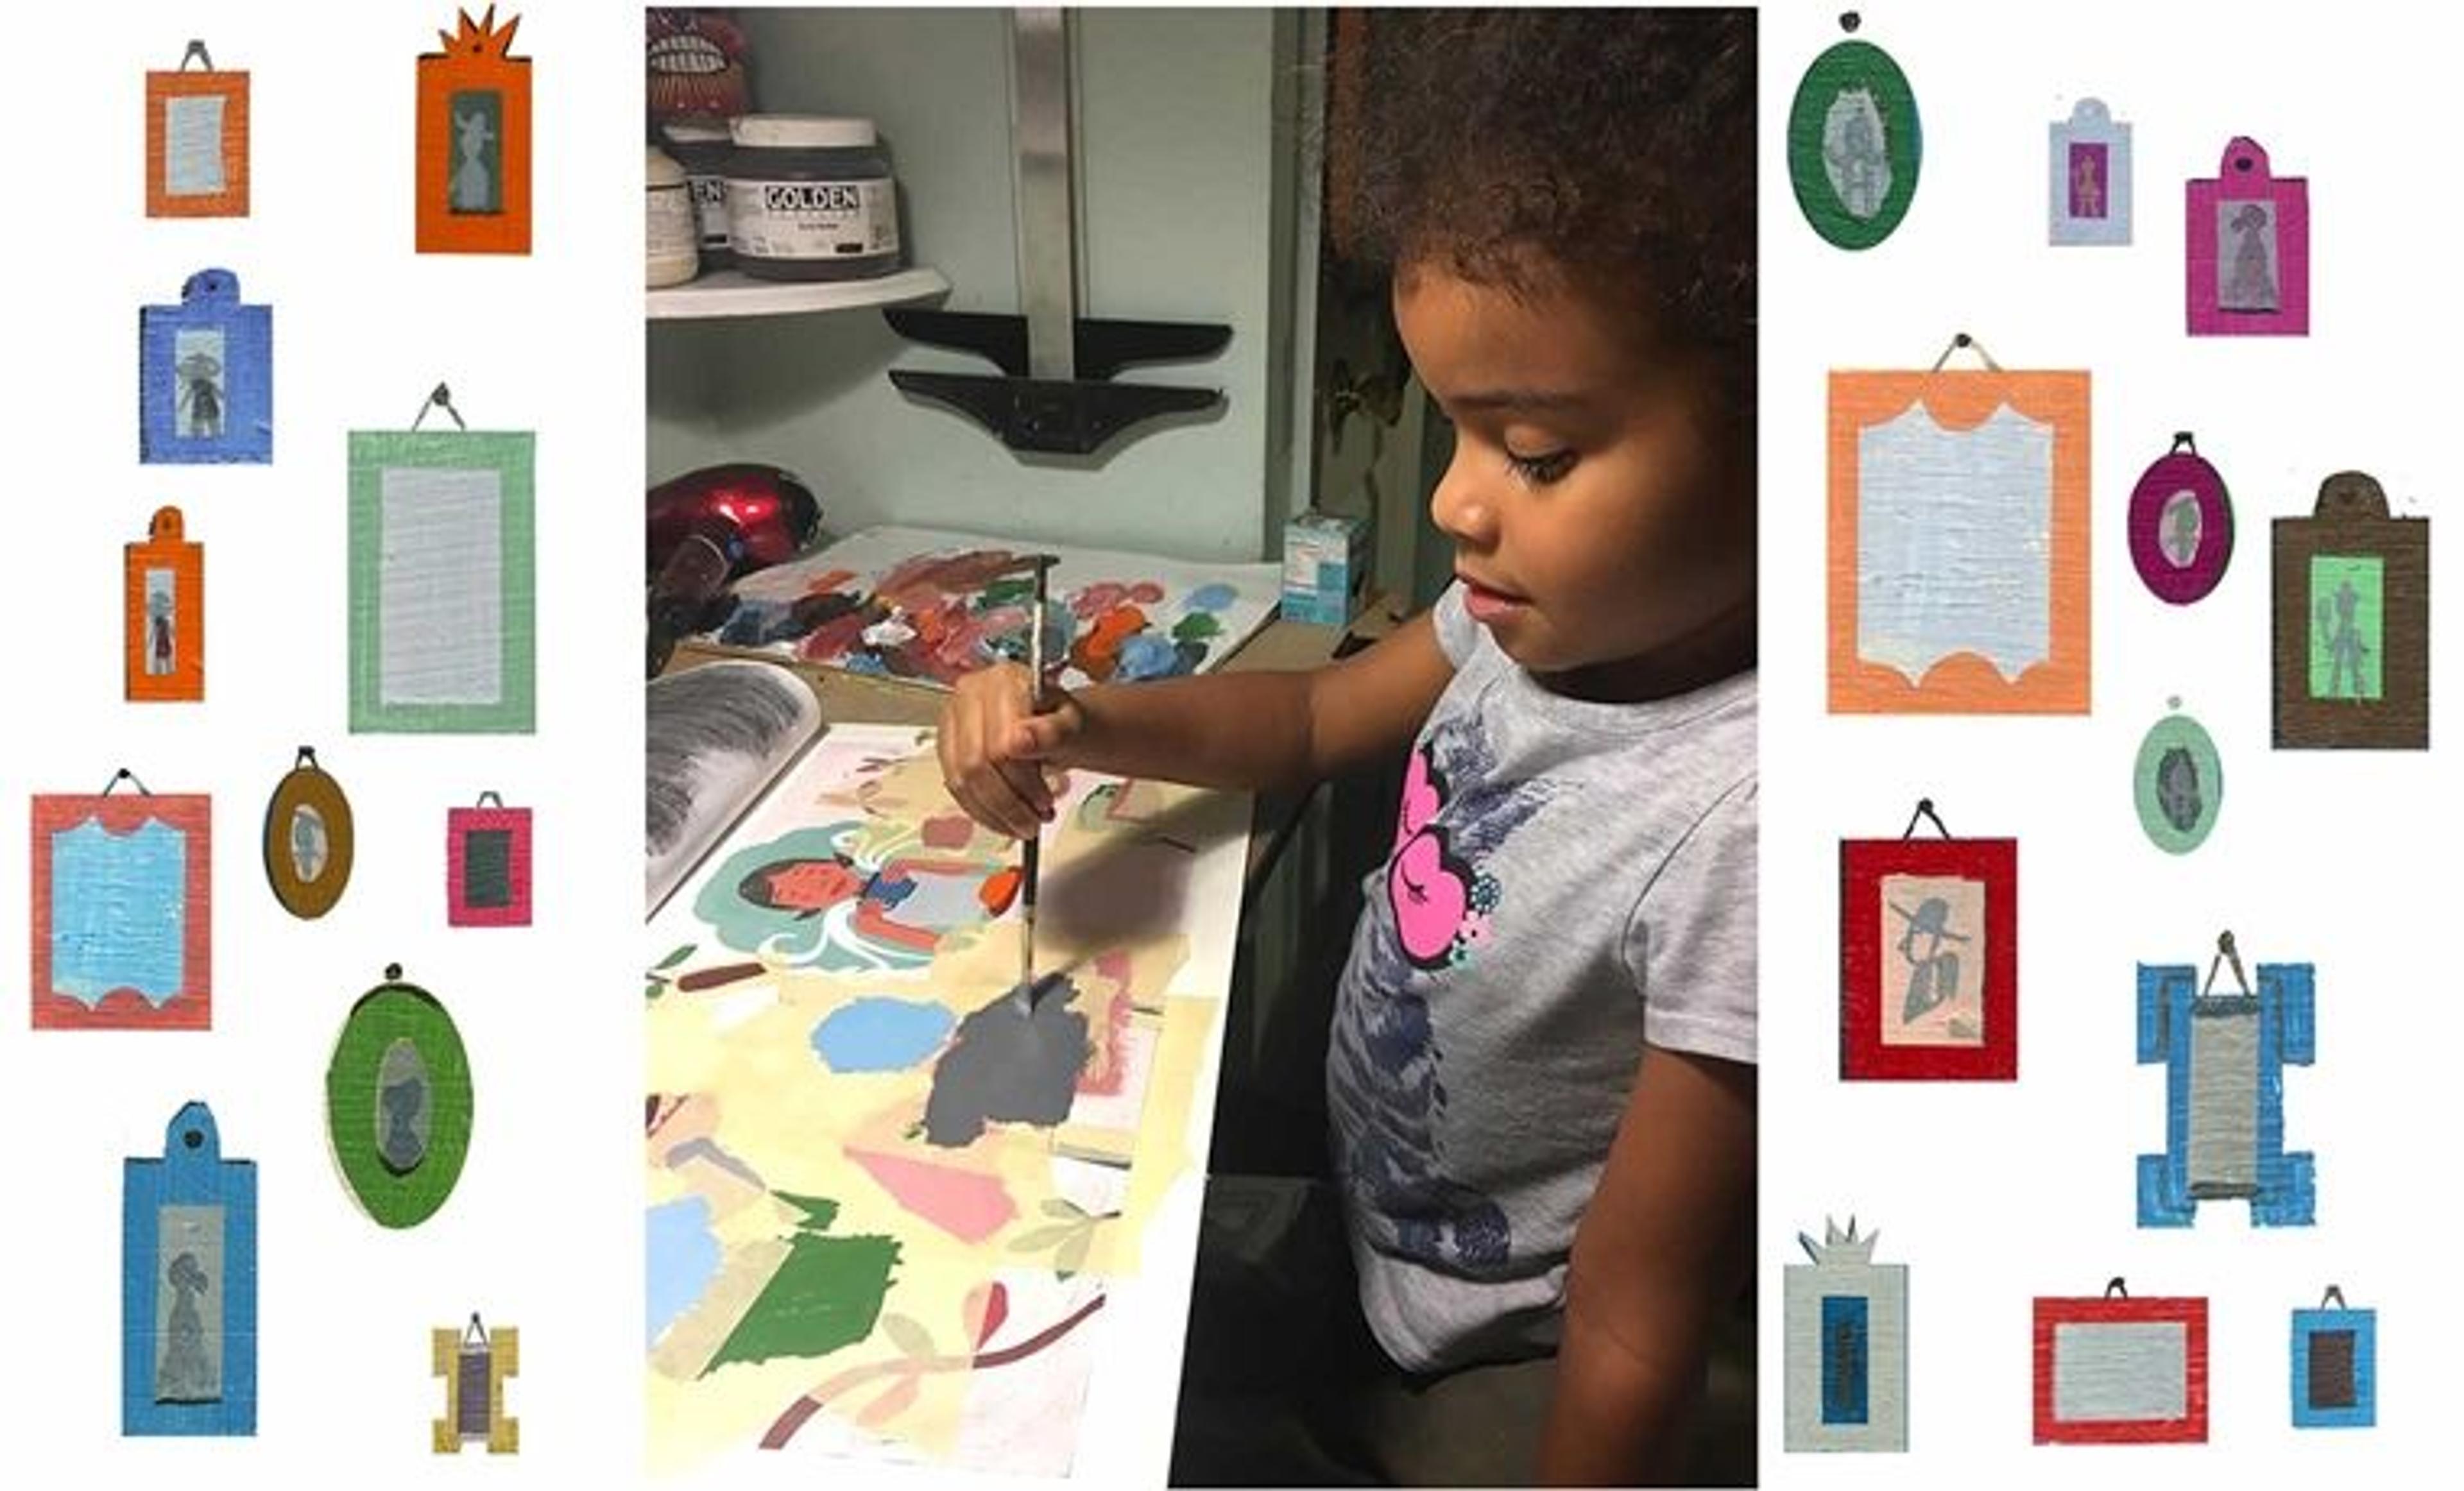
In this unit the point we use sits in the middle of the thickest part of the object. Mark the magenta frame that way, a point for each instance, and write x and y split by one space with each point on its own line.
460 823
2243 175
2182 471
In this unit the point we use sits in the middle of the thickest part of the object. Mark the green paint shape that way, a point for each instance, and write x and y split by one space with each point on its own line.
819 1210
2347 607
827 1295
1197 626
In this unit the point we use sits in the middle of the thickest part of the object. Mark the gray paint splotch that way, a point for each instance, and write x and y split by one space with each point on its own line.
1008 1063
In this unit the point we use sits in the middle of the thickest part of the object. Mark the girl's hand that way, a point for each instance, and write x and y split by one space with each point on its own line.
999 758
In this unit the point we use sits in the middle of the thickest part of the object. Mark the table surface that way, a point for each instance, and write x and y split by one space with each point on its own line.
1132 1395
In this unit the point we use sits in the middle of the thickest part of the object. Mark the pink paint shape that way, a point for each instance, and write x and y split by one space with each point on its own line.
2247 236
967 1206
948 831
1103 1076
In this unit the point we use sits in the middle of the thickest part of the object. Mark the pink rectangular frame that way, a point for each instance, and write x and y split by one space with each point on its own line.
2243 176
460 823
192 1008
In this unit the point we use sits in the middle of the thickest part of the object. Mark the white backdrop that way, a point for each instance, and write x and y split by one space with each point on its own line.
544 1230
1995 1193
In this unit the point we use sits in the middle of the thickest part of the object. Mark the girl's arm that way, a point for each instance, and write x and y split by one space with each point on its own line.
1663 1248
1261 730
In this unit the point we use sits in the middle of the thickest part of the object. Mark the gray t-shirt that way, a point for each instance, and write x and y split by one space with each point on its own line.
1569 881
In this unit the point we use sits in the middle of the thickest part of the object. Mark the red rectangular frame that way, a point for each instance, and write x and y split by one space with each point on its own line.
2191 1427
460 823
1863 865
192 1008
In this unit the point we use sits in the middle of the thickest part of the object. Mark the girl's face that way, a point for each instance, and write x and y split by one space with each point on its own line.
1598 536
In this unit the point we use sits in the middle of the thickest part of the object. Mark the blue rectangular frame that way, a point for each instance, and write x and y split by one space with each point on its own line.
2285 1007
2364 1324
208 301
191 1172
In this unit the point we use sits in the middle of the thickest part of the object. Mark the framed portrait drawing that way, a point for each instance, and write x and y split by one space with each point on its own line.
1929 958
187 1293
123 910
196 140
2351 622
441 581
2119 1371
162 608
2248 246
2087 177
204 391
398 1102
487 864
1959 542
2181 525
2335 1366
1854 143
2178 782
473 141
308 839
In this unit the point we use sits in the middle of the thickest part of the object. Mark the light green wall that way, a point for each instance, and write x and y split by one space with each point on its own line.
1178 158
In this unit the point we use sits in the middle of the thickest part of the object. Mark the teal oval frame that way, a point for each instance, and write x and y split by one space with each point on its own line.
1854 64
2167 734
395 1011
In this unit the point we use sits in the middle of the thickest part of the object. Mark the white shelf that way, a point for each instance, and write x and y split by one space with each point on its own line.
735 293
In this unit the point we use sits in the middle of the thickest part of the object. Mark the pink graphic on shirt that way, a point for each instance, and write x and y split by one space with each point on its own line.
1428 889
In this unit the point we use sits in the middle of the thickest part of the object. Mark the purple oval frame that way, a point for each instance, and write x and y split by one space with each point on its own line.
2182 471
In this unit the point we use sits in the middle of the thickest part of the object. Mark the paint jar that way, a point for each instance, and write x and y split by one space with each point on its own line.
669 257
702 147
811 197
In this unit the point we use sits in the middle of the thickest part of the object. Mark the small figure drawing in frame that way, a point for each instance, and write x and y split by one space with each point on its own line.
2088 172
164 605
1928 957
308 840
206 377
2181 525
2248 242
2352 622
474 138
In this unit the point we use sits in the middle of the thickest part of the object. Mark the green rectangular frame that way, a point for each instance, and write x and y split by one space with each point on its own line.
512 455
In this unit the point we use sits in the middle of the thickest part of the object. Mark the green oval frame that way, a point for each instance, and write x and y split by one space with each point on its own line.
1854 64
2177 729
391 1012
308 784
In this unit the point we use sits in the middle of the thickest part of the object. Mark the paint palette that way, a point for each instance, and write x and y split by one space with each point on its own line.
930 606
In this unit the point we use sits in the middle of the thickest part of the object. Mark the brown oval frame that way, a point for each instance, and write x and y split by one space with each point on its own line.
308 784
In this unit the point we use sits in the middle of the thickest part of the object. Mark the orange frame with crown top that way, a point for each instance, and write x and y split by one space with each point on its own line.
474 61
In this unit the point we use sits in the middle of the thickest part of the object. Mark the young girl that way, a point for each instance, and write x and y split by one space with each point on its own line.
1540 1075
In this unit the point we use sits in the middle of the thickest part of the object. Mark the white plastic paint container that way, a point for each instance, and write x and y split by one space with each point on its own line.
670 258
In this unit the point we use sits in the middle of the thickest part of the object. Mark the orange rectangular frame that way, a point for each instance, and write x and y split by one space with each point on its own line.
161 88
474 58
1964 683
166 548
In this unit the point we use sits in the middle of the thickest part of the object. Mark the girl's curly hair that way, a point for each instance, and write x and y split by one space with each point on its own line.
1614 147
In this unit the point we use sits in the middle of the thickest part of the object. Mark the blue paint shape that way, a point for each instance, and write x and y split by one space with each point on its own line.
1845 1359
119 912
879 1035
683 1259
1209 598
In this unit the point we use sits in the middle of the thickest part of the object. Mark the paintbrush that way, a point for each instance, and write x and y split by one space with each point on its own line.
1032 846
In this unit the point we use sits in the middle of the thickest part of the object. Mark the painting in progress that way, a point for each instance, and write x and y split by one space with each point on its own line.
888 1191
932 606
